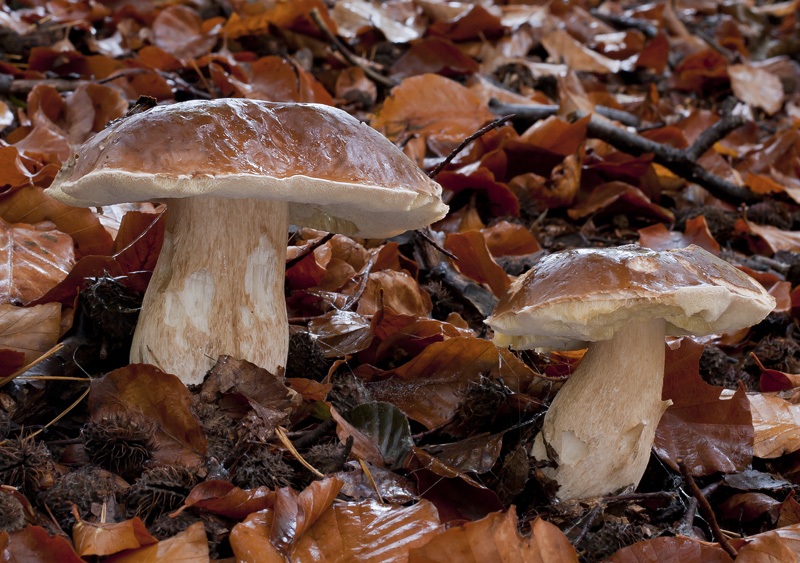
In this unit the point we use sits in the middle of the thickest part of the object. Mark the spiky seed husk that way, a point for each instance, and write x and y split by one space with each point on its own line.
160 490
12 514
305 358
5 424
83 487
261 468
25 464
120 442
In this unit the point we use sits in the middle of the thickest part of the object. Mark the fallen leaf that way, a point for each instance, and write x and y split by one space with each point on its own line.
161 398
496 538
188 546
679 548
710 434
776 423
475 262
225 499
33 544
658 237
756 87
30 330
433 55
109 538
33 259
510 239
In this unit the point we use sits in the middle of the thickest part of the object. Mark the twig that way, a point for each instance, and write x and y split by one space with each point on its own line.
632 497
713 134
308 250
368 473
706 510
312 436
281 434
350 57
686 525
622 22
64 413
476 135
537 112
425 233
25 368
589 520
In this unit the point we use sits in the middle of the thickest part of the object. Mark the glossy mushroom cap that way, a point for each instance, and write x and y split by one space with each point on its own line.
336 173
572 298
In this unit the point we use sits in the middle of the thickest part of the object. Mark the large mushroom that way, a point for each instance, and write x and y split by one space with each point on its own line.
234 174
619 303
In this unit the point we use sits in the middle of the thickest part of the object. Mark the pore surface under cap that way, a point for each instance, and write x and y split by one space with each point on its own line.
337 173
579 296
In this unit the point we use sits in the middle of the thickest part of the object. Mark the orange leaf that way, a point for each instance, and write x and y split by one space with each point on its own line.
496 538
189 546
510 239
680 548
109 538
30 330
33 259
658 237
433 55
32 544
278 80
474 260
225 499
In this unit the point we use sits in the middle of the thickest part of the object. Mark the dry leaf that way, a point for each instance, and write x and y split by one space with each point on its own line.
776 423
30 330
189 546
225 499
110 538
756 87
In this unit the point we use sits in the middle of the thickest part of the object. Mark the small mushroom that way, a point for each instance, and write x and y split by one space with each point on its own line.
619 303
234 174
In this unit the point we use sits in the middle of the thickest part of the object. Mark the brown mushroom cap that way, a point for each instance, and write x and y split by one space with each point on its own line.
579 296
337 173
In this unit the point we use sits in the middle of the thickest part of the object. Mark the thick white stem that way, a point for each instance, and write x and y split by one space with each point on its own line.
600 427
217 288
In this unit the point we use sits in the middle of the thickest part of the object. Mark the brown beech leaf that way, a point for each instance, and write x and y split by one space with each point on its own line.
562 46
768 239
279 80
620 198
296 513
31 331
555 135
358 485
658 237
81 273
703 71
746 507
31 205
188 546
679 548
13 172
709 433
776 423
10 361
772 380
32 544
363 446
476 454
33 259
109 538
756 87
179 31
311 390
250 539
432 107
766 548
500 199
225 499
475 262
496 538
475 23
396 290
352 85
367 531
433 55
510 239
429 387
111 215
90 108
340 333
160 397
293 16
790 512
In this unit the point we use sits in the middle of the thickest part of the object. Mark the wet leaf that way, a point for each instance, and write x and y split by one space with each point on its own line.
476 454
33 259
746 507
563 47
433 55
709 433
393 487
286 15
768 239
495 538
188 546
31 331
225 499
279 80
658 237
756 87
161 398
110 538
339 333
396 290
367 531
363 446
138 241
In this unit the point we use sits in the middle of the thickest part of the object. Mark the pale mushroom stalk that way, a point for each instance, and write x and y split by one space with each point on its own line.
222 265
601 425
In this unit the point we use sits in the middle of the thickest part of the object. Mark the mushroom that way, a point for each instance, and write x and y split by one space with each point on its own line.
619 303
234 174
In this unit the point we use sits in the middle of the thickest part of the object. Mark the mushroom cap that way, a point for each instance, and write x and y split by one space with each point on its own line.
337 173
572 298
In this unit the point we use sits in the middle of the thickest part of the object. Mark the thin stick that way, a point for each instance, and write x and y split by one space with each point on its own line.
706 510
25 368
479 133
289 446
53 378
368 473
350 57
311 248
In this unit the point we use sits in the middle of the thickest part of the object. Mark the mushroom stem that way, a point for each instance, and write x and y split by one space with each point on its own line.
601 425
217 288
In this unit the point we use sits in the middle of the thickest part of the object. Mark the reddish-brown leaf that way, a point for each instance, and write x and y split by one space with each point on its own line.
109 538
279 80
81 273
496 538
139 240
363 447
31 205
474 260
700 72
225 499
310 390
614 198
296 513
680 548
179 30
510 239
367 531
709 433
746 507
396 290
33 545
287 15
161 398
500 200
475 23
33 259
433 55
188 546
756 87
776 424
658 237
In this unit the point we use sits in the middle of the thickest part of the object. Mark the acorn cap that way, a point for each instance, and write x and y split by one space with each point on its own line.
337 173
572 298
